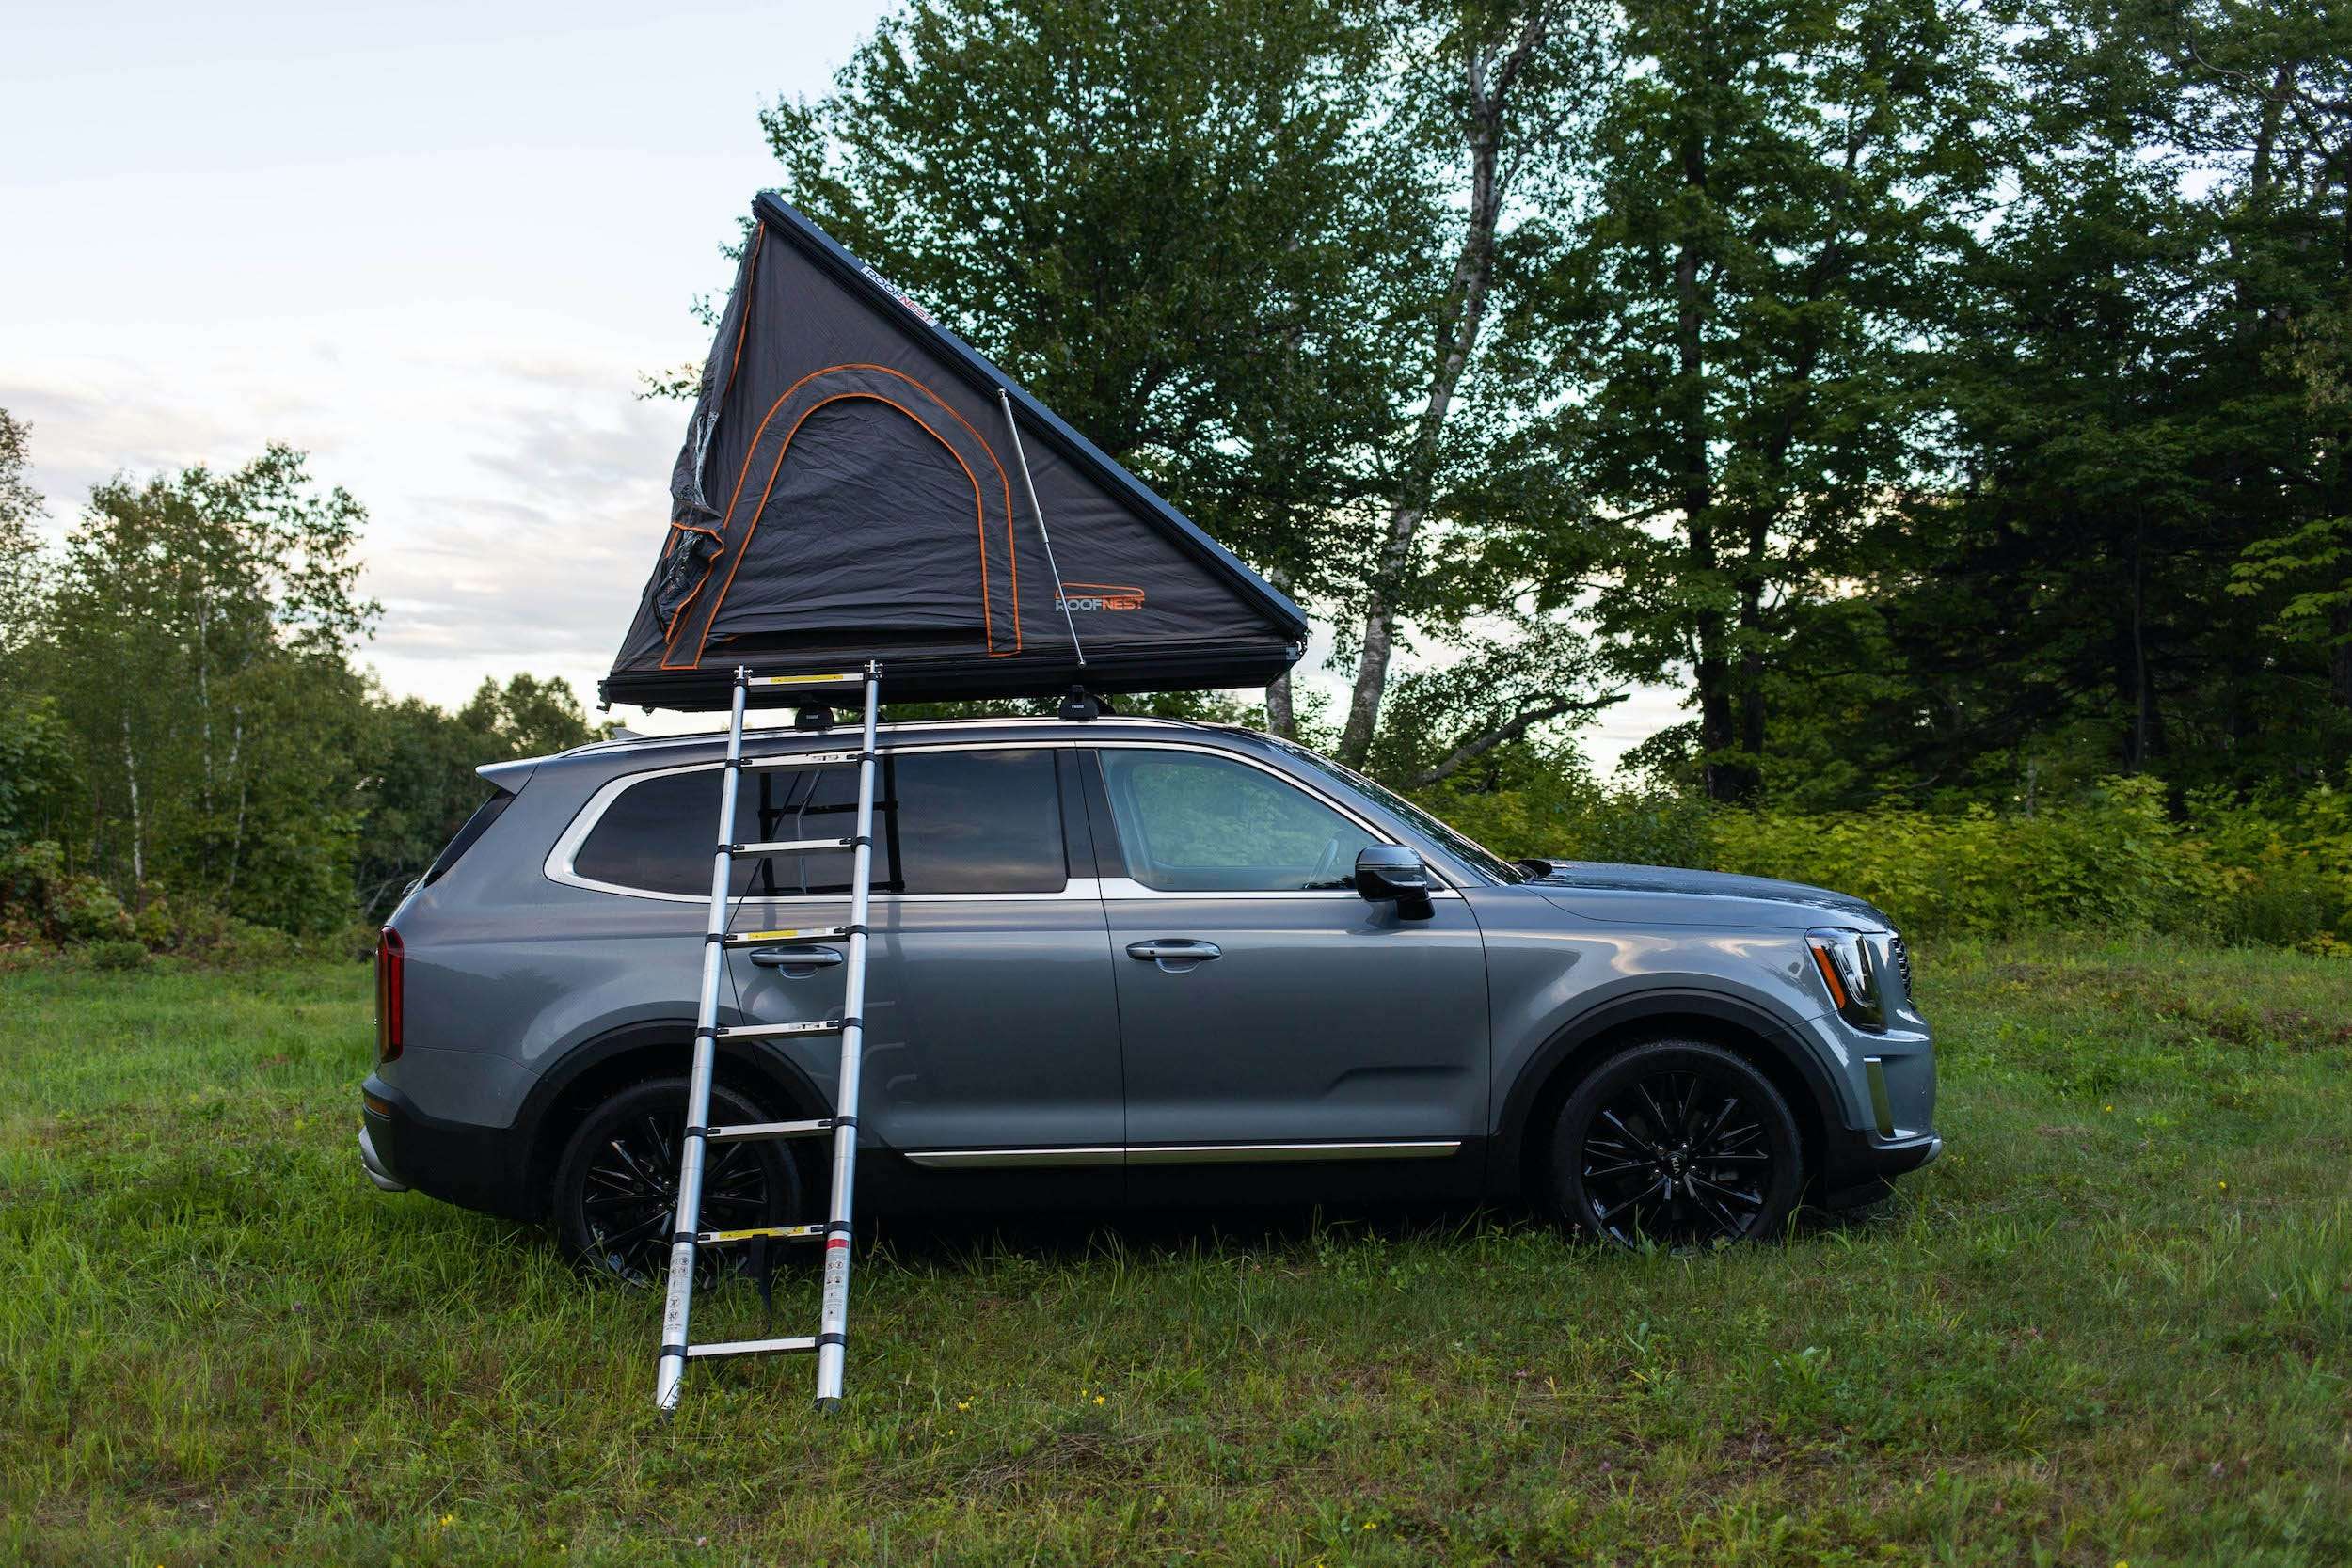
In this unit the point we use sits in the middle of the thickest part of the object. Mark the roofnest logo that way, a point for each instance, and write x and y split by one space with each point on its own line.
1097 596
897 293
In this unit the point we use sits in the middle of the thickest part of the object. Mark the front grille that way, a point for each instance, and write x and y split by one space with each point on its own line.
1903 959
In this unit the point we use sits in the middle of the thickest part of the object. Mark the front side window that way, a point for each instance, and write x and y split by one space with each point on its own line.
966 822
1189 822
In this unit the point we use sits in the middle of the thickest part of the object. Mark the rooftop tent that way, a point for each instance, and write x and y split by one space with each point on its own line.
857 484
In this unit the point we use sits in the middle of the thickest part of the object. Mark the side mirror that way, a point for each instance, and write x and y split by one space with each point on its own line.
1391 872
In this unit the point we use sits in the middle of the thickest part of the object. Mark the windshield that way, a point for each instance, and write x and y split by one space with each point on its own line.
1466 849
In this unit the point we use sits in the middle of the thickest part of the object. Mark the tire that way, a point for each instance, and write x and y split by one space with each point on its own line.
1678 1143
615 1198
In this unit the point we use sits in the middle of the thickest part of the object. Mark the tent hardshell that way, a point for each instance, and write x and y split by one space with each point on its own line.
857 483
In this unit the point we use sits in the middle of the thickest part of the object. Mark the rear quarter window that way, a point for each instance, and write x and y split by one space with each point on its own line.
960 821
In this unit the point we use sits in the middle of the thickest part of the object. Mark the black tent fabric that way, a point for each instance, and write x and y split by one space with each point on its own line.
857 483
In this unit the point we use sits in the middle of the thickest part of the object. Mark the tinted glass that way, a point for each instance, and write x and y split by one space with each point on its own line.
944 822
1444 833
1192 823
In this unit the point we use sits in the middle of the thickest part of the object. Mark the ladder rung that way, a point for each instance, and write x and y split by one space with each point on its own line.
768 1232
775 1031
753 1131
853 678
798 1345
791 846
803 933
804 759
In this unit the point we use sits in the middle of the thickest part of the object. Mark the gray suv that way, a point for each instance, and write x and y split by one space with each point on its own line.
1123 960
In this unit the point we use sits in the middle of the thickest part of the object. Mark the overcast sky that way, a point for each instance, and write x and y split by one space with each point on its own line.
432 245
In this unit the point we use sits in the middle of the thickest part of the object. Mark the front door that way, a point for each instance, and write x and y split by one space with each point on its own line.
1271 1019
990 1018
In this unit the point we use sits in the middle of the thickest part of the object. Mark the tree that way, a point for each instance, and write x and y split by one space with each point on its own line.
23 554
1499 92
197 640
420 763
1783 187
1225 244
2137 423
1182 230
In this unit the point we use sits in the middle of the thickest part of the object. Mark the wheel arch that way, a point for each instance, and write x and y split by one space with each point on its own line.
632 1054
1765 1041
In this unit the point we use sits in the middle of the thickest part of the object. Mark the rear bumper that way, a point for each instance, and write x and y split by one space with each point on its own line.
1860 1166
473 1166
373 1163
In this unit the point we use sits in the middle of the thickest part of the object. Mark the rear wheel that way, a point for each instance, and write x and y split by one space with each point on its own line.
1676 1143
616 1185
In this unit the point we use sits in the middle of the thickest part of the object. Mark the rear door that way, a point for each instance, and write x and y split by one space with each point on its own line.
1271 1020
990 1022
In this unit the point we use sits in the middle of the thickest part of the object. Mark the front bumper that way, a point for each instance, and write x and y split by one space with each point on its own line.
473 1166
1859 1167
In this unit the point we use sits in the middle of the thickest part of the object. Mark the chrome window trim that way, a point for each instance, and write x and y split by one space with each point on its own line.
1186 1154
558 866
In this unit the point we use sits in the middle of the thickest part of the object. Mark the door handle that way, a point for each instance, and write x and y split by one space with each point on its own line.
1174 950
796 957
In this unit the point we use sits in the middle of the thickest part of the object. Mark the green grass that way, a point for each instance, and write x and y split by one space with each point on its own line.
2112 1324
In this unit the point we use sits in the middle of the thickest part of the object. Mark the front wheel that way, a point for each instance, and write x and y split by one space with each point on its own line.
615 1196
1680 1144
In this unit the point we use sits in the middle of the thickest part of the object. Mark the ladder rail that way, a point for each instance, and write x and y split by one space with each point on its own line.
832 1324
677 1309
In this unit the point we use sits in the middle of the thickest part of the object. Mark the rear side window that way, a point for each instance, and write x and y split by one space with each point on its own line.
970 822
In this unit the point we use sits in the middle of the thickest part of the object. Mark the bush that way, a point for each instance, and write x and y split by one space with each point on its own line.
2117 859
84 908
116 955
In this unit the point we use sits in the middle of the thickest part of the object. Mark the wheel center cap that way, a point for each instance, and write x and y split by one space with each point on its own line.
1674 1161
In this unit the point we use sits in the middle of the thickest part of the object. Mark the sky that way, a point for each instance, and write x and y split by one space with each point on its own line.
435 246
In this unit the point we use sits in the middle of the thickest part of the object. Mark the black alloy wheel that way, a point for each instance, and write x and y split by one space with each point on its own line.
1680 1144
616 1195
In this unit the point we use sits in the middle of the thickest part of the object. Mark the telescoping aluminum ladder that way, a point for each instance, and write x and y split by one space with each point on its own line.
830 1342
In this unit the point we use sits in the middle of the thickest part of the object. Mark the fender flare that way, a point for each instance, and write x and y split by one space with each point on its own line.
1584 1038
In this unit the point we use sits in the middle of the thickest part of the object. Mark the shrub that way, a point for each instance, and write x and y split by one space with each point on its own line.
2119 859
84 908
115 953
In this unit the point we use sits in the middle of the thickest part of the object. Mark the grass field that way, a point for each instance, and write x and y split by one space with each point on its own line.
2111 1325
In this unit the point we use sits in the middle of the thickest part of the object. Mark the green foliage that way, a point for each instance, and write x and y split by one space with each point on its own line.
116 954
1195 235
22 588
1781 191
195 641
2115 858
420 764
39 778
187 745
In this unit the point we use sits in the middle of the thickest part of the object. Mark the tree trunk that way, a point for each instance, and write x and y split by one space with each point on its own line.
2340 656
1711 665
1488 78
236 840
2145 741
1281 718
138 828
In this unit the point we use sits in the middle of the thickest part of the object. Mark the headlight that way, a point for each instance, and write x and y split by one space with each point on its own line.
1850 968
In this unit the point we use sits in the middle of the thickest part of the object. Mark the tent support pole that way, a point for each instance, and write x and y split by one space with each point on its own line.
1004 400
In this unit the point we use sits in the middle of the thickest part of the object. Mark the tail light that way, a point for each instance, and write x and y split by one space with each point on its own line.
388 979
